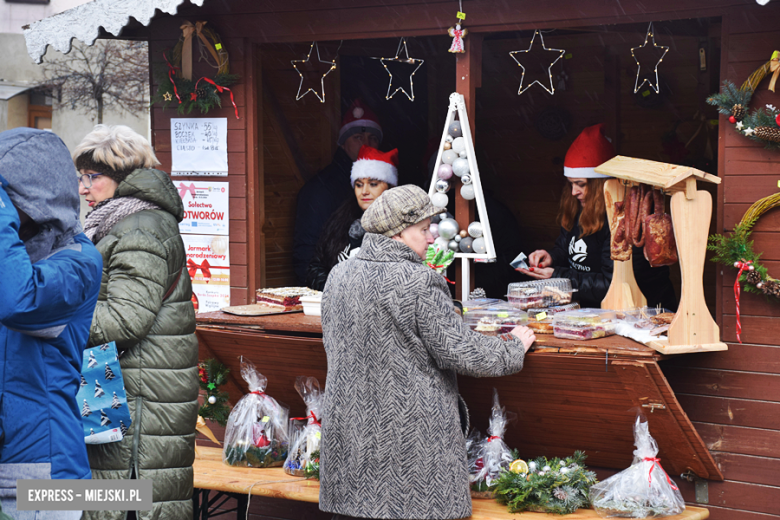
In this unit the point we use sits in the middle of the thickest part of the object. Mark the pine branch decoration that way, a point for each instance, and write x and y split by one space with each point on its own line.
211 375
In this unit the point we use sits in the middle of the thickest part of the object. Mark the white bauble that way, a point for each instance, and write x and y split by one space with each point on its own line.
458 145
467 192
448 156
479 245
463 154
439 200
453 245
449 138
441 243
212 399
460 167
475 229
448 228
465 179
442 186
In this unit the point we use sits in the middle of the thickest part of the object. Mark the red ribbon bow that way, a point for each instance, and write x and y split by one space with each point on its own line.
311 416
737 289
493 437
192 268
434 267
183 189
219 88
171 74
656 462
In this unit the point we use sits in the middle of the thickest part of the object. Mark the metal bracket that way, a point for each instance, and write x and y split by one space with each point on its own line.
654 406
701 487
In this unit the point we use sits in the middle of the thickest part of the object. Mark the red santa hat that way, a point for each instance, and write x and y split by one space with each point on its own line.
589 150
373 164
358 119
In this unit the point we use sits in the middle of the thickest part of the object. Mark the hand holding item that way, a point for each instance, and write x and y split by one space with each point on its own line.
525 335
540 258
540 273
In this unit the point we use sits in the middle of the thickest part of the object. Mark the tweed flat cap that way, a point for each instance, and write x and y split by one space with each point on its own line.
398 208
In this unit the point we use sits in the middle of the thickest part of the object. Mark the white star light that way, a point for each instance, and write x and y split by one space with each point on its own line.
749 131
322 80
408 60
638 85
739 125
560 52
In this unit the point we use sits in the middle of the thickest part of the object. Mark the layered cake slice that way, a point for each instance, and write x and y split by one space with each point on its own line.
286 298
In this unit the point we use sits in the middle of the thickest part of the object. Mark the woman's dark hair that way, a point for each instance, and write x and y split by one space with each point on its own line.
335 234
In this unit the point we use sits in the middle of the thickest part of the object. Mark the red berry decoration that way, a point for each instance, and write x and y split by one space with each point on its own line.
732 119
777 120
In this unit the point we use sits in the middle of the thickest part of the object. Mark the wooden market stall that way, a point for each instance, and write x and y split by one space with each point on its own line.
716 414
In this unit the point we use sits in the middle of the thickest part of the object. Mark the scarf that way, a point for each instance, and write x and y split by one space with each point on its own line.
106 214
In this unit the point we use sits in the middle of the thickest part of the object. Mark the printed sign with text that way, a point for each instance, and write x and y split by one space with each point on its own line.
206 207
208 264
199 146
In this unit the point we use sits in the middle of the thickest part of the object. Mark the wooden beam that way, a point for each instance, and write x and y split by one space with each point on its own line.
255 173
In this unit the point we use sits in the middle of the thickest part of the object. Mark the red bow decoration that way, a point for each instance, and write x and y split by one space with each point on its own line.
737 289
219 88
192 268
311 416
171 74
493 437
434 267
656 462
183 189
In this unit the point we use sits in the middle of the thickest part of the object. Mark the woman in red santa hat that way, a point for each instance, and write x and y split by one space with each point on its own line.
582 251
372 173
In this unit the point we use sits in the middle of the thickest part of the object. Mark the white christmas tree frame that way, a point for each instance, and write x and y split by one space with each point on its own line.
458 107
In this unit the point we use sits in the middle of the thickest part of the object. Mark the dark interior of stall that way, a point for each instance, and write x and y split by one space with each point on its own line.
520 139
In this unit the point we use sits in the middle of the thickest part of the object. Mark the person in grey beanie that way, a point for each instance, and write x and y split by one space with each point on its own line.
393 429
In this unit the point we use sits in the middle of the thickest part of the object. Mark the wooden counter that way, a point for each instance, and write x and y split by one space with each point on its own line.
570 395
212 473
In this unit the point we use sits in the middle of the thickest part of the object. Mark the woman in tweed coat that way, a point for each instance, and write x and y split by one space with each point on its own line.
393 446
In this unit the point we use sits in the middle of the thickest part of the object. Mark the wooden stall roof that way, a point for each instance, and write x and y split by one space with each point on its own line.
654 173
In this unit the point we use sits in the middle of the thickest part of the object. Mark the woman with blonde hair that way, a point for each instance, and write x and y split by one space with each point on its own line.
145 307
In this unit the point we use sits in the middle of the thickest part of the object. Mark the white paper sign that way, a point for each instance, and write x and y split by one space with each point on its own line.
208 264
206 207
199 146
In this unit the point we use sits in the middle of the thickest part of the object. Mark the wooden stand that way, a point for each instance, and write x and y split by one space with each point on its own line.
692 329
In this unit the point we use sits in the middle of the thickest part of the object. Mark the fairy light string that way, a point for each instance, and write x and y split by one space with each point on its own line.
560 52
332 67
399 59
649 36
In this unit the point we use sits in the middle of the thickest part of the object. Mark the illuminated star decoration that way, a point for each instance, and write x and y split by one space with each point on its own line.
408 60
322 79
560 52
167 96
638 85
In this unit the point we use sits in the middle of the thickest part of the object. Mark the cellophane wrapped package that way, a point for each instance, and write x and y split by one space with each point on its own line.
256 432
305 448
644 490
493 454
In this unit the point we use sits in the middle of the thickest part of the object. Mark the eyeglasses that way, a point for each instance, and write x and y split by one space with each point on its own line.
86 179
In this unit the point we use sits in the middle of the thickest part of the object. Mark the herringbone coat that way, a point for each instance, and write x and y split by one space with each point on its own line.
393 447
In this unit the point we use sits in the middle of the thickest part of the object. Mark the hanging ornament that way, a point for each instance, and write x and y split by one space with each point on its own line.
439 200
447 145
467 192
466 245
463 154
332 67
442 243
449 156
448 228
479 245
454 129
458 145
460 167
457 33
442 186
445 171
212 400
434 229
560 52
458 238
463 233
408 61
475 229
466 178
449 139
452 245
637 85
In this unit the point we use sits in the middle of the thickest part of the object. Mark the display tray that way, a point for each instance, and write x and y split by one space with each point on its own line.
255 309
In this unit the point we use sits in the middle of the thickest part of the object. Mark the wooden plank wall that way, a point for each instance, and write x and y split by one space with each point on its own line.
733 397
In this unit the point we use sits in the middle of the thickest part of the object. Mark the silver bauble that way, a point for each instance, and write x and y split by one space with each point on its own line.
465 179
460 167
448 228
457 238
453 245
466 245
212 399
463 154
442 243
458 145
479 245
449 139
442 186
454 129
475 229
467 192
449 156
439 200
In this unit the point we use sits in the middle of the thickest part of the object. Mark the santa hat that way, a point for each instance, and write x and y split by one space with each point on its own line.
373 164
589 150
358 119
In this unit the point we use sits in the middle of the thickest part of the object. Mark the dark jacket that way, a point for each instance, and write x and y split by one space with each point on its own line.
143 257
392 439
321 265
49 286
317 201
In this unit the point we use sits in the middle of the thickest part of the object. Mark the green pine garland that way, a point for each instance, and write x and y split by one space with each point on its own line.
746 125
312 469
211 375
557 486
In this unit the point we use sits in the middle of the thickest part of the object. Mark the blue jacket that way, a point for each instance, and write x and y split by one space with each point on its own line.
46 308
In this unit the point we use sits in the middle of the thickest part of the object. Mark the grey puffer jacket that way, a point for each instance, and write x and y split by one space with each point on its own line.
143 256
392 443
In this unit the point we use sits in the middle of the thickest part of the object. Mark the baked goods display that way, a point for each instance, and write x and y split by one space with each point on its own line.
286 298
583 324
541 327
540 293
665 318
495 319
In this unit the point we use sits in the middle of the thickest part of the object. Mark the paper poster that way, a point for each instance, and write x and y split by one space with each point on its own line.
208 264
206 207
199 146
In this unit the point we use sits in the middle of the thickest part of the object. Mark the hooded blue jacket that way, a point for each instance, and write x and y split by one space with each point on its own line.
48 289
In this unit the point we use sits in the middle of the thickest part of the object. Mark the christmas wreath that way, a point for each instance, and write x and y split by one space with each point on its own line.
211 375
175 80
762 124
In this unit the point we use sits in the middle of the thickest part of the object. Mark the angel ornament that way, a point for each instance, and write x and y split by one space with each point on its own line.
457 34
